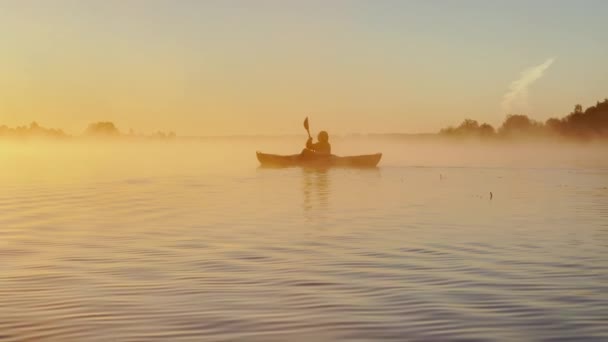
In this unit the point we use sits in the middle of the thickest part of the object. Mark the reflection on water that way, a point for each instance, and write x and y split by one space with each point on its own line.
316 190
148 243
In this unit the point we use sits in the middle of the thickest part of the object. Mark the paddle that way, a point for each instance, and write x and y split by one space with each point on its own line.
307 127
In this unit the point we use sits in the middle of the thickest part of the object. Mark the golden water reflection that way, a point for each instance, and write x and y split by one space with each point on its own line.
316 191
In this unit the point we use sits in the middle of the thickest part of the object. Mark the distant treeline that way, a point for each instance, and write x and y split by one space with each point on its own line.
33 130
582 125
98 129
108 129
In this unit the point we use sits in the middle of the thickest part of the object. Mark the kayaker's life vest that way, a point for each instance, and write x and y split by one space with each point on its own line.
320 147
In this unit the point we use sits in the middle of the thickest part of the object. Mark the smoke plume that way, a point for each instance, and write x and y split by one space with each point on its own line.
517 96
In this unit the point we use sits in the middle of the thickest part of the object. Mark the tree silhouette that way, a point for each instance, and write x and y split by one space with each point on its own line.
591 123
102 129
33 130
469 128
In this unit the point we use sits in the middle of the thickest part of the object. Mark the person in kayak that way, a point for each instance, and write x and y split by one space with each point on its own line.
322 147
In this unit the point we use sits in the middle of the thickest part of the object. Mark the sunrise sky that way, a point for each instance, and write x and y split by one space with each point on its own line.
260 67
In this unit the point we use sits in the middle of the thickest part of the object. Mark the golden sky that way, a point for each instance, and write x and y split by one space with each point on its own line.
245 67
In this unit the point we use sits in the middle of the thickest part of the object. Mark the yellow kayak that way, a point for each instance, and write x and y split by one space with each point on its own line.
319 160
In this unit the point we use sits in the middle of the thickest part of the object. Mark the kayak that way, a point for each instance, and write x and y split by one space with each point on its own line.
319 160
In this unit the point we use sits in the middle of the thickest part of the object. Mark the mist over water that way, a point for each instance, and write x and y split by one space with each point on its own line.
191 240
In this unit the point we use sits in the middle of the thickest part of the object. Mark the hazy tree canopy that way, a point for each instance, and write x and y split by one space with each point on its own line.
520 125
591 123
34 130
102 129
588 124
469 128
486 130
97 129
108 129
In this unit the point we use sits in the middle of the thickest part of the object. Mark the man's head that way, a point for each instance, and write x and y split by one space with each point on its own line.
323 137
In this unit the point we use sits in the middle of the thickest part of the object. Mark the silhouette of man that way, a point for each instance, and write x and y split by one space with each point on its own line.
321 147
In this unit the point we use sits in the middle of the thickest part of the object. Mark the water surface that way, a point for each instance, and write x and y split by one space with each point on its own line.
193 241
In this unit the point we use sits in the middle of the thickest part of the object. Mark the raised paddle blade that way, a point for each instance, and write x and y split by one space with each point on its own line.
306 126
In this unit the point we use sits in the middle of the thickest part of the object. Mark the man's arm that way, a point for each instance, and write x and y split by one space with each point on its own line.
309 144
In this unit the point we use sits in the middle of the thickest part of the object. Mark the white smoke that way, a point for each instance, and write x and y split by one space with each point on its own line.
517 96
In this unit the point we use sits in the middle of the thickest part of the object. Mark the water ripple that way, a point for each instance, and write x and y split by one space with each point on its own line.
188 258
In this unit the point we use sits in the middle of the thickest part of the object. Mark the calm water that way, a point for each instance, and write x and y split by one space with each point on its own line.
193 241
